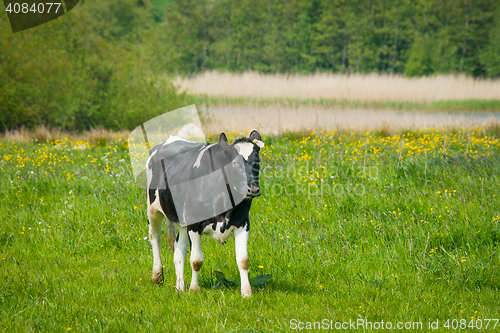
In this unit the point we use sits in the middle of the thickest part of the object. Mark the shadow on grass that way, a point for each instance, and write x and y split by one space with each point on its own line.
271 285
287 287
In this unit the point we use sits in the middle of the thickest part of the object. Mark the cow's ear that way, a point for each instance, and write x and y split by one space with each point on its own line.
223 141
256 138
254 135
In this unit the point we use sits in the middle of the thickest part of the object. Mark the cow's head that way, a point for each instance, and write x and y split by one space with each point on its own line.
245 151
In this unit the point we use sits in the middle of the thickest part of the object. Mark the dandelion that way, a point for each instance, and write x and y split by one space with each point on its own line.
260 266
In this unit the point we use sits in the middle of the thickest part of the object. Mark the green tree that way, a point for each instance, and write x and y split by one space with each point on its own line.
490 55
89 68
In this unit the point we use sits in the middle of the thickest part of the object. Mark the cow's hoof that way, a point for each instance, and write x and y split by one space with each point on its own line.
180 287
246 291
194 287
157 276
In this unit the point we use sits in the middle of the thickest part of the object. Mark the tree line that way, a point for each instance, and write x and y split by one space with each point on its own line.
411 37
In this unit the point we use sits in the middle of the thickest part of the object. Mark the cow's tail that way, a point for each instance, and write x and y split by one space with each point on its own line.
171 231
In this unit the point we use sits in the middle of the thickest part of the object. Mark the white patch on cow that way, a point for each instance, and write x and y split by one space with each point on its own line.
240 244
173 139
180 250
245 149
259 143
196 258
217 234
200 155
155 218
156 204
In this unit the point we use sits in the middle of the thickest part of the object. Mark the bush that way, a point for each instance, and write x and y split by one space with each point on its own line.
87 69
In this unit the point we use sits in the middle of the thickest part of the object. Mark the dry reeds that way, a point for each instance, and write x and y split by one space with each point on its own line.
373 88
41 134
277 120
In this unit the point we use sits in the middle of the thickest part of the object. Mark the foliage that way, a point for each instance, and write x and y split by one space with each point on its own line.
491 53
401 227
92 67
400 36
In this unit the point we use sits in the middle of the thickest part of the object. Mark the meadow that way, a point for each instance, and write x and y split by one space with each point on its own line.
399 227
343 104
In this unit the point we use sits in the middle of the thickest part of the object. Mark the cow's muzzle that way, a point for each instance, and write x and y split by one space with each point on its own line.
253 191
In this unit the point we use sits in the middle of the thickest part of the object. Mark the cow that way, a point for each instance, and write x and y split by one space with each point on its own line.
174 165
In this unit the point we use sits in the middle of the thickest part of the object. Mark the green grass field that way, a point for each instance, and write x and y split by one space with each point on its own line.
438 105
399 228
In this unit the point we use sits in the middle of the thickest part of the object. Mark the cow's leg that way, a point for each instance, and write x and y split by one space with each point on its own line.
240 241
180 249
196 258
155 217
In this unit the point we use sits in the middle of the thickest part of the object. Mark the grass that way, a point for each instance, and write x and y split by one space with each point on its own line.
439 105
395 227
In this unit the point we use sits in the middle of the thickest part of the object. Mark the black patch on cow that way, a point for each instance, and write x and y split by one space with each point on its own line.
154 179
164 171
212 222
239 215
211 158
152 196
223 226
225 178
177 161
253 162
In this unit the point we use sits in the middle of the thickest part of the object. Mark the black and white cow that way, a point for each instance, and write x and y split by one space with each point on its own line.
178 161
